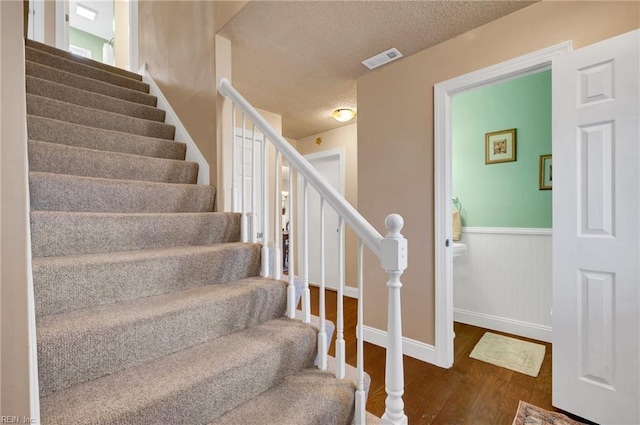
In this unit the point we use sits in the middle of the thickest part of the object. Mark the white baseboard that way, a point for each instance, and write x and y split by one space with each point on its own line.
193 153
410 347
502 324
349 291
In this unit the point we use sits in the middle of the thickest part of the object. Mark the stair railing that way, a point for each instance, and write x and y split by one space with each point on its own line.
391 250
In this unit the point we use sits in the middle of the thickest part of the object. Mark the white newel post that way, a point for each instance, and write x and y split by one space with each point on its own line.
394 262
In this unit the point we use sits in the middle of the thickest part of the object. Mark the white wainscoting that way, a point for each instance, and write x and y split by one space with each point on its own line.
504 282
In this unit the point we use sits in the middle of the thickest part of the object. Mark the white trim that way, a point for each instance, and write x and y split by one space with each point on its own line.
508 231
502 324
36 20
443 92
193 153
62 24
349 291
410 347
133 35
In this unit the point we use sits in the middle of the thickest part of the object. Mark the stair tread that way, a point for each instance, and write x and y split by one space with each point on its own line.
88 84
53 90
75 67
92 194
72 160
71 134
69 112
57 233
86 61
311 397
73 282
130 256
132 332
192 385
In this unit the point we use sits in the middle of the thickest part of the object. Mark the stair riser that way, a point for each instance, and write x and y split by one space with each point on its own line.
84 70
54 131
196 386
68 359
70 56
45 88
63 233
63 111
89 84
61 286
55 158
312 397
56 192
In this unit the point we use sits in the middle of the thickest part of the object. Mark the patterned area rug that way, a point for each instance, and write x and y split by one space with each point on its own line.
528 414
521 356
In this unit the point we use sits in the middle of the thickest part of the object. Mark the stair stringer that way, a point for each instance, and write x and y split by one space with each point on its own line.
193 153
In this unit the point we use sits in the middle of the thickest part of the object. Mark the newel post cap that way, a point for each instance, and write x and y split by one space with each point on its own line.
394 246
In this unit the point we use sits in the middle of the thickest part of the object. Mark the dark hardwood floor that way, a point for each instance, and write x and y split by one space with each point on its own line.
471 392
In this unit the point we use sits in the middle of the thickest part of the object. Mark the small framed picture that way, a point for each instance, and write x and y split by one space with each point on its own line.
546 172
500 146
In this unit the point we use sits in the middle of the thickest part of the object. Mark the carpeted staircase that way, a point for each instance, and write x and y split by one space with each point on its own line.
149 309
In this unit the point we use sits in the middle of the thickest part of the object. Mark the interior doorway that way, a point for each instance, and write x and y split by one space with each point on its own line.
330 164
102 30
502 270
443 94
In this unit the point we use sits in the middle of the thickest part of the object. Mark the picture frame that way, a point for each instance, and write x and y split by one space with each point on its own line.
500 146
546 172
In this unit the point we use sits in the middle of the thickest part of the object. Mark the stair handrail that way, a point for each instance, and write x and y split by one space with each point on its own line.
371 237
391 250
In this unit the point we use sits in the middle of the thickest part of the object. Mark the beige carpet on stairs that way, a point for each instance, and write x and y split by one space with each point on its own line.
149 308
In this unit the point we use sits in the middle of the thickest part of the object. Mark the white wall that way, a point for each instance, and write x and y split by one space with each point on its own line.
504 281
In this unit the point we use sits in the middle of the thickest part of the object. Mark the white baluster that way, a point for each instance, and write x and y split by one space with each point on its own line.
291 289
393 259
306 294
340 347
243 201
277 230
254 182
360 393
234 161
322 335
264 269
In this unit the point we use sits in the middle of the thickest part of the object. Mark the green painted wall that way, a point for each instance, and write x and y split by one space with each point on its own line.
503 194
88 41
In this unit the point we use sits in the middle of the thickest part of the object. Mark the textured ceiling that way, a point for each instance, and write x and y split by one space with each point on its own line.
301 59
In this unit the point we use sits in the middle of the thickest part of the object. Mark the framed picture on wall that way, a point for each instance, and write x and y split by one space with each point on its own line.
500 146
546 172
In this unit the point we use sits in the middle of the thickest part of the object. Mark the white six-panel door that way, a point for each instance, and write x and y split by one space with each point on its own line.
596 231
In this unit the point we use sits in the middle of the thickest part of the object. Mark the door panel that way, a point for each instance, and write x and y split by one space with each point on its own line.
330 168
596 231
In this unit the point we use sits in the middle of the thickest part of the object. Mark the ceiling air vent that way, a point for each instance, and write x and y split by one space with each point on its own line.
382 58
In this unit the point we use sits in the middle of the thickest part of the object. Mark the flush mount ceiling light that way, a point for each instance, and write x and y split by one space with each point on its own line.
85 12
343 114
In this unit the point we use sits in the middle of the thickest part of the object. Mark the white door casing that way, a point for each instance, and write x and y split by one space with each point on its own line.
596 226
330 164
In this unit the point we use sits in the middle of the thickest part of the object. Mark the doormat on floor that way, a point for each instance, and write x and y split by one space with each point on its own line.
528 414
521 356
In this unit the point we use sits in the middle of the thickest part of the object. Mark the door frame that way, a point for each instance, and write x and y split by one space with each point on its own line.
328 154
62 30
443 93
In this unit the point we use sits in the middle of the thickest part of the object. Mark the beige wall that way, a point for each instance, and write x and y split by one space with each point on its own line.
347 138
176 40
395 130
14 212
121 36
